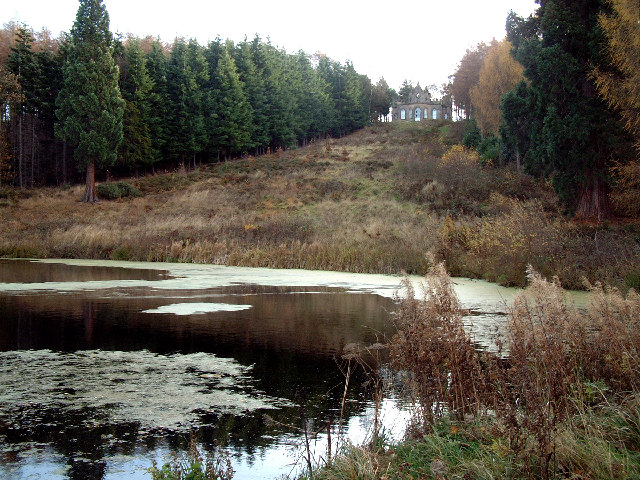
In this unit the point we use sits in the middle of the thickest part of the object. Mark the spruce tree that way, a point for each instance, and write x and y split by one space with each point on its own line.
187 75
135 86
256 96
232 124
90 106
158 115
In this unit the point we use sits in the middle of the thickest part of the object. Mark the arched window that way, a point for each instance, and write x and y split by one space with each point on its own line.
435 114
403 114
417 115
426 113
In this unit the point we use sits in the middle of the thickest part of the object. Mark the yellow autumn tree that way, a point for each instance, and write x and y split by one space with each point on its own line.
499 74
622 90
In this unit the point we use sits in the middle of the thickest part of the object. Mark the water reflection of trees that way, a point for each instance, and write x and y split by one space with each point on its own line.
27 271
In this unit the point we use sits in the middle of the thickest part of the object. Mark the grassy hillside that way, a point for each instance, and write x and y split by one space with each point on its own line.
376 201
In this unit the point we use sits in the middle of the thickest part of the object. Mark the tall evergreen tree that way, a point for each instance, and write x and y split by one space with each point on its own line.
187 74
22 63
90 106
406 89
255 92
9 94
231 126
158 115
279 106
515 128
573 135
136 86
355 105
329 74
381 97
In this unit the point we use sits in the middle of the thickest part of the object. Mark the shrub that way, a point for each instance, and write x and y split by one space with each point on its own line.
459 155
562 386
503 245
472 136
445 376
115 190
546 342
490 149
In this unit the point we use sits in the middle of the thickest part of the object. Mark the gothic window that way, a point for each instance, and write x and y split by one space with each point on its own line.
417 115
403 114
435 114
426 113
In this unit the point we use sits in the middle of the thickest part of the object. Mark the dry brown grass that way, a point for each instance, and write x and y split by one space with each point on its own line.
559 399
376 201
432 346
317 207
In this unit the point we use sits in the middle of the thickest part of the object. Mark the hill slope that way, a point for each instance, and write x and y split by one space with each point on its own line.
376 201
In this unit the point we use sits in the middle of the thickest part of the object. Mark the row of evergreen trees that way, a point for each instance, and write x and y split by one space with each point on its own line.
183 103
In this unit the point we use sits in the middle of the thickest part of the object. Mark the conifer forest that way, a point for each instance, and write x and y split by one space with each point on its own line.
183 104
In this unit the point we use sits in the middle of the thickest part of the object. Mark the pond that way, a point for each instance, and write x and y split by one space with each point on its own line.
108 366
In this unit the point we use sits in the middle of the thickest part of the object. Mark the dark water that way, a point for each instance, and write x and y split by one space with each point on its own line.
96 385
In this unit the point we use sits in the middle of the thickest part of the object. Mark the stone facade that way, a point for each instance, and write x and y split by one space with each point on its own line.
420 107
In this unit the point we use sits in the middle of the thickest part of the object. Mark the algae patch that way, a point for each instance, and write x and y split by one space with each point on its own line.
158 391
197 308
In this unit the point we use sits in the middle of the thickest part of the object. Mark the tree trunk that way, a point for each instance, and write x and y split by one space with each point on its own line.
64 163
33 149
20 149
91 192
594 200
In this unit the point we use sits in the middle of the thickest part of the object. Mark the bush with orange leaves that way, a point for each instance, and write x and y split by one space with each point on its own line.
460 156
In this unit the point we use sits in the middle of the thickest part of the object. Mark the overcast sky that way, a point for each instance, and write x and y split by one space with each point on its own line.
421 41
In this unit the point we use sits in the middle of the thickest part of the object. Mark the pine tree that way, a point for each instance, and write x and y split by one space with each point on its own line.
10 94
405 90
329 76
355 105
515 128
90 106
279 105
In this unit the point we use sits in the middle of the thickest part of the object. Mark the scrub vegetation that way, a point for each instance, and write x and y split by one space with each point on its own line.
376 201
559 398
